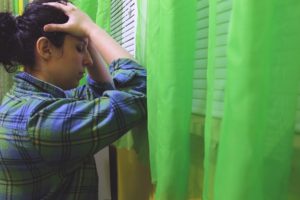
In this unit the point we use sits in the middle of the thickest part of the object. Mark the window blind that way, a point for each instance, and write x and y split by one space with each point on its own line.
222 26
200 72
199 82
123 23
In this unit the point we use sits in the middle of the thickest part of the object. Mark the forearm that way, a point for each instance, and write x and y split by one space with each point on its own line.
80 25
109 49
98 72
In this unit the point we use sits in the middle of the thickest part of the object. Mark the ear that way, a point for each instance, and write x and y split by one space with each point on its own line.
44 48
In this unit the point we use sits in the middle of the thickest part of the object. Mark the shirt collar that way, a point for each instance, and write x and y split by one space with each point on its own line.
28 82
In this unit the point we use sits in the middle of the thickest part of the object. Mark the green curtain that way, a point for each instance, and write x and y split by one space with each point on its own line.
256 156
141 31
170 61
89 7
251 151
216 39
103 14
98 10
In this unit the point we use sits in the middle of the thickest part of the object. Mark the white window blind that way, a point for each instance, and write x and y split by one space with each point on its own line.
200 72
222 26
123 23
199 82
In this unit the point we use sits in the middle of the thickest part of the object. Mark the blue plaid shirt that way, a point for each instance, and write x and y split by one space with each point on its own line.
48 136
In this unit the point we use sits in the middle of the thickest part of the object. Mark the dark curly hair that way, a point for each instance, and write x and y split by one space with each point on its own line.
18 35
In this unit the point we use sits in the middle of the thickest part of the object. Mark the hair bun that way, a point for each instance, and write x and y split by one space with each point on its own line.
7 22
8 29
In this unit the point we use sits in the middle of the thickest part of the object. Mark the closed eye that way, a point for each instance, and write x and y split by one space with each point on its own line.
80 48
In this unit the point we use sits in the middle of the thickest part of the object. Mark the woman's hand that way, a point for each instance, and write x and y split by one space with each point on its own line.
78 24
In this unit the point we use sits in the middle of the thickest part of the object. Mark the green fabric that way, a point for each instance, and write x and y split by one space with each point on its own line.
15 6
256 142
89 7
209 158
249 151
141 32
170 62
218 15
98 10
103 14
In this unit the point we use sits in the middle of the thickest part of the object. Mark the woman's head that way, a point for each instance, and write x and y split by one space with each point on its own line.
55 57
18 35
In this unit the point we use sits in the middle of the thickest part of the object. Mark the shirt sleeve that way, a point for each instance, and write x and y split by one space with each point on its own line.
127 75
91 117
70 130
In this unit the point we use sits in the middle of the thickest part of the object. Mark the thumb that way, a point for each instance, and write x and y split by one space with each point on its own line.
54 27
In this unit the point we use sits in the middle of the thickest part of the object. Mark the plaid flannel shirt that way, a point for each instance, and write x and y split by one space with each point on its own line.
48 136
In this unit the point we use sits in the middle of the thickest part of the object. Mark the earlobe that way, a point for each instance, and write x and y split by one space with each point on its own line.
44 48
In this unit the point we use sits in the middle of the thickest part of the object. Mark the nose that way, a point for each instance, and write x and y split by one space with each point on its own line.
87 60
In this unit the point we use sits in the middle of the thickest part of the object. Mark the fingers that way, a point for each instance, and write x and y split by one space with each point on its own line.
54 28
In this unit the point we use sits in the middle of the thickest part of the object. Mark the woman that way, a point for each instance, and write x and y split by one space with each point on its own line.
50 128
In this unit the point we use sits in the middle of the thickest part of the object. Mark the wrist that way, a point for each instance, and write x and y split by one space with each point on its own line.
94 31
87 27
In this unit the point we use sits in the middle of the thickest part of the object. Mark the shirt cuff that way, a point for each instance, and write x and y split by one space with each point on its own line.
123 70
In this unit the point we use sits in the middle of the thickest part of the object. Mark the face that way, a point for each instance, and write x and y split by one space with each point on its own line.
68 63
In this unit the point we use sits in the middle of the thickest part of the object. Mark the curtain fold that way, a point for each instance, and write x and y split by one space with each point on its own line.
215 41
209 150
252 151
103 17
170 61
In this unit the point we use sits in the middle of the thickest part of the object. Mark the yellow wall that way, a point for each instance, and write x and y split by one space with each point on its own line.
134 181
